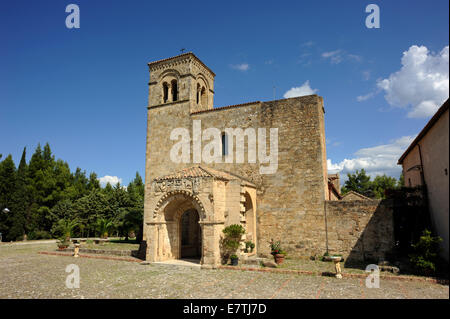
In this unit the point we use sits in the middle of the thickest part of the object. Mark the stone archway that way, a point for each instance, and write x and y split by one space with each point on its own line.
175 210
249 218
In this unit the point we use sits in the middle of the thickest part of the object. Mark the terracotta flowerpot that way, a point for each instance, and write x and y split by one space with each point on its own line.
62 247
279 258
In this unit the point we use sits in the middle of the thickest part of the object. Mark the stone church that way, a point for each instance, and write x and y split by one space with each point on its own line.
189 201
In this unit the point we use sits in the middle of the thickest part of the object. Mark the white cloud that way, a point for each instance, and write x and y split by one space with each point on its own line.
109 179
240 67
355 57
338 56
422 83
334 56
302 90
377 160
365 97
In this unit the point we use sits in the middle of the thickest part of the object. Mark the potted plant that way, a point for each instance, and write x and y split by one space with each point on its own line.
63 244
234 260
249 246
276 251
231 242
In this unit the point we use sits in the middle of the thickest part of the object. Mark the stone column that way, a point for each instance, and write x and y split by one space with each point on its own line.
169 93
151 254
211 232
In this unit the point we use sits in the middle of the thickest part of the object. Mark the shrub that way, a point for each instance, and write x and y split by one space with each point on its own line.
249 246
231 241
234 231
104 227
64 228
426 253
39 234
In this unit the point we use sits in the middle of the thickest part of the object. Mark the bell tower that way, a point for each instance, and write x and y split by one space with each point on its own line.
181 79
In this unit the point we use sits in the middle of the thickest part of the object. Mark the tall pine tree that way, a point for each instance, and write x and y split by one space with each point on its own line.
7 187
20 203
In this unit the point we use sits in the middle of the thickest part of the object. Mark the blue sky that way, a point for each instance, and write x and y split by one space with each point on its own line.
85 90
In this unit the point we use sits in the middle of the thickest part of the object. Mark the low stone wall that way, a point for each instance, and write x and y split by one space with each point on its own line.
132 253
361 231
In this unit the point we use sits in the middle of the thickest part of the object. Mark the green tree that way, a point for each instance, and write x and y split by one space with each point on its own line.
20 202
401 180
7 187
426 253
104 227
358 182
382 183
136 191
93 183
64 228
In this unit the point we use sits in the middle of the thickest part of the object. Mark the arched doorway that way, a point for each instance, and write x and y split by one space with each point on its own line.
191 236
249 218
177 232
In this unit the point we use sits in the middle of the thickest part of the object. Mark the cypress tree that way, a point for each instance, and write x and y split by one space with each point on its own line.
7 186
20 202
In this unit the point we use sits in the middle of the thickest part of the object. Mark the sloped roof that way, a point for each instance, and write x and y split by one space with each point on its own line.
226 107
356 194
179 56
201 171
431 122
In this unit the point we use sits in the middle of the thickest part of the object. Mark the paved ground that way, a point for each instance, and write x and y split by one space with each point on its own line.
26 274
28 242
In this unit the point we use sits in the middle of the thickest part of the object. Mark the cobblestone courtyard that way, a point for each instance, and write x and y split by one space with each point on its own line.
26 274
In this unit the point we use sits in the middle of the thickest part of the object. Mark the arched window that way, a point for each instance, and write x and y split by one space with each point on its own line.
203 97
174 90
198 93
165 92
249 218
224 144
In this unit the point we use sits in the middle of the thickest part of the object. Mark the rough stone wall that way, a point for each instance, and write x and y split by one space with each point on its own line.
361 231
289 202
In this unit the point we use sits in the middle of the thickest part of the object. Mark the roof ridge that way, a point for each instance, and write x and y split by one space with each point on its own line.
226 107
181 55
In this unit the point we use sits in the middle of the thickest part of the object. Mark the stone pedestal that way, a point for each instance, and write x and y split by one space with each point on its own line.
337 266
76 250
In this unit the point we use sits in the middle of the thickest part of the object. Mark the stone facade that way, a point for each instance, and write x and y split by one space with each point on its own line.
287 205
360 230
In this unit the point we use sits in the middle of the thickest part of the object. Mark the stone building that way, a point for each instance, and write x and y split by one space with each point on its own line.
425 163
191 197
